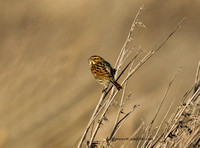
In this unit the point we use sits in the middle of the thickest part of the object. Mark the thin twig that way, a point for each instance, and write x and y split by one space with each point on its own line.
163 99
123 119
123 93
162 122
143 132
151 53
91 120
128 39
120 107
136 132
197 73
197 81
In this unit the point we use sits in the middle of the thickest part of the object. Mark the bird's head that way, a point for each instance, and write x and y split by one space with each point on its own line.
94 59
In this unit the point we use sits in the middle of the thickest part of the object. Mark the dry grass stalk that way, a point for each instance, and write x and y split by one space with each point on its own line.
183 127
123 56
146 142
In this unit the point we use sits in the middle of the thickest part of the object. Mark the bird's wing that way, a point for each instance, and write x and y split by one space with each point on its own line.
103 68
108 67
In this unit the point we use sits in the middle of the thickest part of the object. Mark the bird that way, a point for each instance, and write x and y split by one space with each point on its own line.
103 72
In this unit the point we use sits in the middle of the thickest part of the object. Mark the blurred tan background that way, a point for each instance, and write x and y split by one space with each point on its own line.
47 93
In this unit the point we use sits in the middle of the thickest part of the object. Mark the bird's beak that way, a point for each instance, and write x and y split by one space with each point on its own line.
90 61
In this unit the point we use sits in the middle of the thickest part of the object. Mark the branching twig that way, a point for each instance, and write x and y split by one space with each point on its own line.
114 131
151 53
124 90
128 38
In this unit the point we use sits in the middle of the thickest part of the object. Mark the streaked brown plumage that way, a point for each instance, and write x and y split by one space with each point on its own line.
103 71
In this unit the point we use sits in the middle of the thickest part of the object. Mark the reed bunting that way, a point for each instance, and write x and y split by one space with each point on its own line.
103 72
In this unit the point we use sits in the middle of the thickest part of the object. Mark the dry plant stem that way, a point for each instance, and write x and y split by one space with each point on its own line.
91 120
132 60
128 38
92 126
197 81
189 140
163 99
136 132
129 64
188 102
118 125
115 130
143 132
101 119
121 59
197 85
100 107
197 73
180 112
186 95
180 104
123 51
120 107
151 53
123 93
198 141
125 58
106 108
161 123
148 56
97 109
95 113
172 119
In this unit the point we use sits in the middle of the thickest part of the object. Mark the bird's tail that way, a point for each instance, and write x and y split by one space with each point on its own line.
116 84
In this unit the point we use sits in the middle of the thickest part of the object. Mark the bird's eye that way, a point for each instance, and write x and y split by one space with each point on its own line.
95 58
